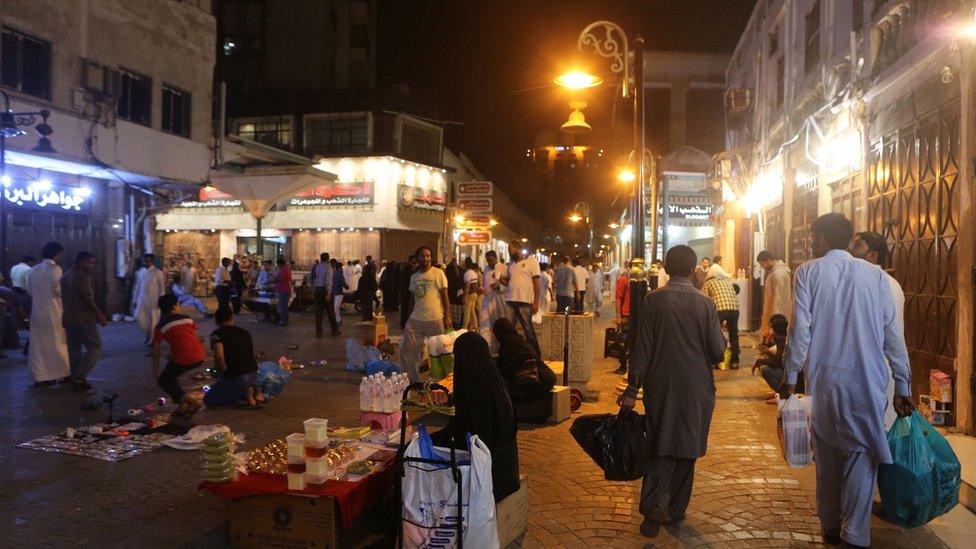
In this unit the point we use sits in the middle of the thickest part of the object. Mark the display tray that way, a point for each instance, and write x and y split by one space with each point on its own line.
105 447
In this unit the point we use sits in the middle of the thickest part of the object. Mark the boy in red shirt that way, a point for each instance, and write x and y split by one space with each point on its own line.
186 352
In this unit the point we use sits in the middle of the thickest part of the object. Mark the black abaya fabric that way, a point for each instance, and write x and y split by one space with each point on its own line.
526 376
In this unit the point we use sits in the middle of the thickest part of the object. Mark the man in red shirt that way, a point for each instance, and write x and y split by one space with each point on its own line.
622 306
186 352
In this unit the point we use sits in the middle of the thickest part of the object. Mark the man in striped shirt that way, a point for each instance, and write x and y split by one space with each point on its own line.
719 288
186 352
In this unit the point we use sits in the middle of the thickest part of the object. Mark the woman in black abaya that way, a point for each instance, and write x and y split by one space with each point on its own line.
483 408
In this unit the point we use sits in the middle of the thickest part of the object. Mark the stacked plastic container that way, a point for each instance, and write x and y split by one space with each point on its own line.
316 450
296 461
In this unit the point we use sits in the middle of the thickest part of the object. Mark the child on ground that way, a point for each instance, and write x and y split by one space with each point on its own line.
770 361
186 353
233 352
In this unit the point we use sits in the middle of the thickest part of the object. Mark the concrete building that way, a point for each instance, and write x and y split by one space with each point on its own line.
863 108
127 87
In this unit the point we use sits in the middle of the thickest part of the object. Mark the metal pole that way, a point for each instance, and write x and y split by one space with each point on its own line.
260 242
639 207
3 204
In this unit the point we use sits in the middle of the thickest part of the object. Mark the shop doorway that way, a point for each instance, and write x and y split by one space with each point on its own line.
274 247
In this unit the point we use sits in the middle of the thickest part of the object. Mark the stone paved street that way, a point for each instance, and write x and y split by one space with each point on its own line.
744 496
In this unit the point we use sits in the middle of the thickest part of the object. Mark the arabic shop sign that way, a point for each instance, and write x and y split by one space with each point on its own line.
696 212
37 196
422 199
354 193
211 197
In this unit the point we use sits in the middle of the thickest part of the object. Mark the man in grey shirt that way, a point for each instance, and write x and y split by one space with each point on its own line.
566 292
81 314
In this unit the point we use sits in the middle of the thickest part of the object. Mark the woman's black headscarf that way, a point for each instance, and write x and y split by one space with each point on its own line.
483 408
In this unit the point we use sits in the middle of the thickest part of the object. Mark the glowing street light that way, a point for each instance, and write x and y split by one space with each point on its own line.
575 218
614 225
524 240
577 80
459 219
626 176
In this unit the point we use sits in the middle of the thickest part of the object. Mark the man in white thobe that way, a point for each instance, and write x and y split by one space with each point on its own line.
150 286
188 278
844 325
493 304
872 247
48 354
594 289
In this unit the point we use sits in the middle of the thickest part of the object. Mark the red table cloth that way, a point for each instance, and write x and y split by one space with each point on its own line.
352 497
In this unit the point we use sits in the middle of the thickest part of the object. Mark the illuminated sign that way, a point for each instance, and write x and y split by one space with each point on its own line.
357 193
474 237
422 199
475 205
474 188
695 212
474 221
211 197
39 194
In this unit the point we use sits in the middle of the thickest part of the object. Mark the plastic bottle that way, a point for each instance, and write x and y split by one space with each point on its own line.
363 395
374 396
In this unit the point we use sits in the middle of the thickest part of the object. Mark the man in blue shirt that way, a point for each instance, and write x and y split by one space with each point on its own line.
844 326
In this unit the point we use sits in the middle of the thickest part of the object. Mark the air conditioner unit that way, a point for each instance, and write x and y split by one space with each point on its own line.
102 81
739 100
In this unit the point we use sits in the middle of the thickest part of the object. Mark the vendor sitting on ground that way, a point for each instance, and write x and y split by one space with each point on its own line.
186 353
187 300
770 361
482 407
527 377
233 353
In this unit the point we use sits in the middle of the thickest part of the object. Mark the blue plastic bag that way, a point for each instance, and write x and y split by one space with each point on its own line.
358 355
923 480
380 366
272 378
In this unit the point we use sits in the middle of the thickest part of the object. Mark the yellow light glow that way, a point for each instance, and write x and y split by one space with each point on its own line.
575 218
614 225
606 237
492 223
459 219
525 239
626 176
577 80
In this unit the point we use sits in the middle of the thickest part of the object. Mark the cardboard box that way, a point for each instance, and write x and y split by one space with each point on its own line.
940 385
512 514
560 405
381 331
282 520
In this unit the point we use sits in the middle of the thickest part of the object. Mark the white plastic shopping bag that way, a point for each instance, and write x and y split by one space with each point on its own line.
793 424
430 497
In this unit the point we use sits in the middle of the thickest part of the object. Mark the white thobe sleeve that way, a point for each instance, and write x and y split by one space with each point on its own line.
798 343
894 341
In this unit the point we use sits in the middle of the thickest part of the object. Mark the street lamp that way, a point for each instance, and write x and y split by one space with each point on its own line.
577 80
582 212
10 126
626 176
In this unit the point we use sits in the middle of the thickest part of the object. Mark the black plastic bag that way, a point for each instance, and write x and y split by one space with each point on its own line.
617 443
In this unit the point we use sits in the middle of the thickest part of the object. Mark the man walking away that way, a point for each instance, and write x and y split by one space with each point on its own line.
545 288
48 357
844 325
566 293
471 292
338 293
367 290
455 290
81 314
322 295
621 301
237 282
233 352
594 288
522 287
701 273
283 289
873 248
582 279
719 288
18 274
150 285
777 291
678 341
493 304
186 353
431 314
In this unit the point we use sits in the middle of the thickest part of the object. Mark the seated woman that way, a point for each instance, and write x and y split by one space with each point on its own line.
526 375
483 408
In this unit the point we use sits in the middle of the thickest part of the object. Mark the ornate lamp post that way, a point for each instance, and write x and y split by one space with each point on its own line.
582 212
10 126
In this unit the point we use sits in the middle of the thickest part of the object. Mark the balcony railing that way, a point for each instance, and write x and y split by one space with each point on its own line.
901 25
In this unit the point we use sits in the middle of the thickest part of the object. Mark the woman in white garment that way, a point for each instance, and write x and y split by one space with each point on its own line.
150 286
48 354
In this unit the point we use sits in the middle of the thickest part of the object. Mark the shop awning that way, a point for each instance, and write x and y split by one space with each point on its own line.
260 187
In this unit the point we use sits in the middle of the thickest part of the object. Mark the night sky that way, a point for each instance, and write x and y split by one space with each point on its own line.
488 63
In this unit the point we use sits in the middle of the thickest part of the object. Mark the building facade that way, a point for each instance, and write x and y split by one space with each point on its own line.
131 125
863 108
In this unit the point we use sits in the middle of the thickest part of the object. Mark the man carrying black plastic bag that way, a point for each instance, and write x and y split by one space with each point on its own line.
678 341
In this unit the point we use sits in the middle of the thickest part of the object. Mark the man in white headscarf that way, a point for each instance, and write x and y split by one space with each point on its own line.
150 286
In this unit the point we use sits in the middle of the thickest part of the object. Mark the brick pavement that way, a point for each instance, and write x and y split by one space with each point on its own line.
744 494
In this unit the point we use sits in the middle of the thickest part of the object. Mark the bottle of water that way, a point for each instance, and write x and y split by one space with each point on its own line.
375 404
363 395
